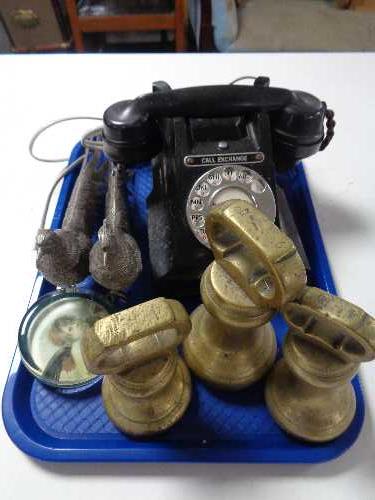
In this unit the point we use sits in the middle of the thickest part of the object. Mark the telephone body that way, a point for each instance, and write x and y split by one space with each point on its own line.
209 144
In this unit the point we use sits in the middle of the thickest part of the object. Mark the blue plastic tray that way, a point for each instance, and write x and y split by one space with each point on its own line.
218 426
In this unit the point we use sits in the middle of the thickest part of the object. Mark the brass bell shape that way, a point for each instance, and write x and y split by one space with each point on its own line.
147 386
256 269
232 343
309 392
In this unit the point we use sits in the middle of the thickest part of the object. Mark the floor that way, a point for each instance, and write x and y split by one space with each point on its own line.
299 25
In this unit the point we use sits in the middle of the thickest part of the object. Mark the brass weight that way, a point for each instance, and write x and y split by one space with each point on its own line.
256 269
147 386
309 393
258 256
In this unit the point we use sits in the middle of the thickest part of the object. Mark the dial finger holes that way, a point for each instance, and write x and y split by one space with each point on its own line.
197 220
202 234
196 204
223 183
202 189
229 174
214 178
258 186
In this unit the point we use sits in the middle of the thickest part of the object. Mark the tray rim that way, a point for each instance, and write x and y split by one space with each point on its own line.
220 453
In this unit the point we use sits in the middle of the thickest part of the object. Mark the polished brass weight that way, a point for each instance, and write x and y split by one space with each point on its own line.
256 270
309 392
147 386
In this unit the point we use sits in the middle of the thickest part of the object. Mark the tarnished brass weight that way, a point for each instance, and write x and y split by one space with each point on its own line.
258 256
256 270
147 386
309 393
232 343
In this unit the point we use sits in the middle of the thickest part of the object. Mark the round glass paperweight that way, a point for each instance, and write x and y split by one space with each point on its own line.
50 334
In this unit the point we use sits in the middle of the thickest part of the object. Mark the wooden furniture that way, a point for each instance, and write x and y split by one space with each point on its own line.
206 38
175 21
35 25
356 4
362 4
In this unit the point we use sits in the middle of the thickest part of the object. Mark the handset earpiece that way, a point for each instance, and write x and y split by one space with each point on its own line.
298 129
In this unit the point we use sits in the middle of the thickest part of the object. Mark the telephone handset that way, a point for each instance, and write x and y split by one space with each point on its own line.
209 144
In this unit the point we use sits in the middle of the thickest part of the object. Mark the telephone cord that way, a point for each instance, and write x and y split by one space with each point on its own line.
87 141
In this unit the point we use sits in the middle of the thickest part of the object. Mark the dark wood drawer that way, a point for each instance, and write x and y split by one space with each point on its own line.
34 23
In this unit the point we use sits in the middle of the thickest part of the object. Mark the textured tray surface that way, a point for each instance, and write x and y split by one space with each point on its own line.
212 415
218 426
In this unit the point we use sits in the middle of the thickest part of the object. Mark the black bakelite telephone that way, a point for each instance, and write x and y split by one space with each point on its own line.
209 144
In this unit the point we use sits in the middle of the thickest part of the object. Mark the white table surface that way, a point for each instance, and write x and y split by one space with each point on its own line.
36 89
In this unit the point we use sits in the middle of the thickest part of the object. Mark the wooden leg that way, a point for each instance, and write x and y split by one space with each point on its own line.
74 25
343 4
180 22
206 37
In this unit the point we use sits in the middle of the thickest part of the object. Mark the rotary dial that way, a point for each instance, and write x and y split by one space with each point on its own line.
226 183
